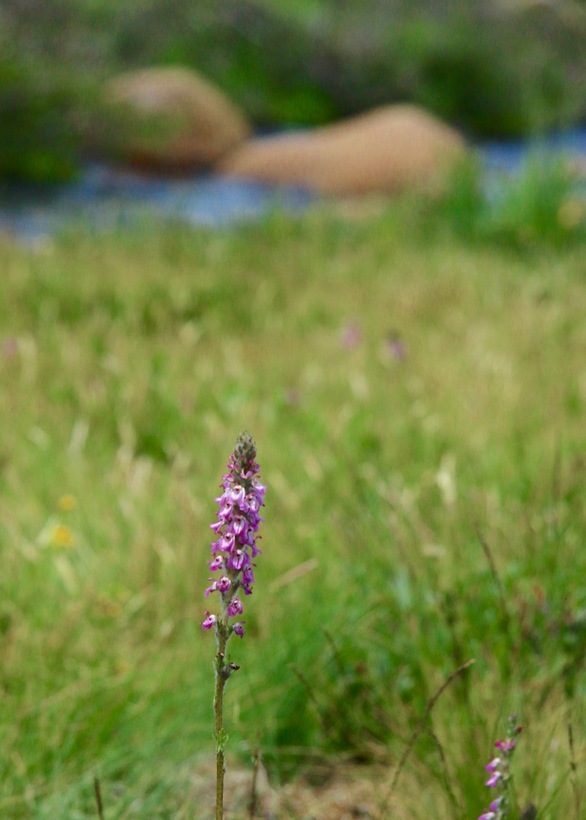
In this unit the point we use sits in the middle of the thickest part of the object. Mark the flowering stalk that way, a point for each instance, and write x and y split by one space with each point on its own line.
500 774
232 553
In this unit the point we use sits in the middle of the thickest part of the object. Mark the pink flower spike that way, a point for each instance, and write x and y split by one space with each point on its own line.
235 545
500 775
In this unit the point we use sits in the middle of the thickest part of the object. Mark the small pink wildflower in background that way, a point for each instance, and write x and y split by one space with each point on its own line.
493 809
396 347
500 774
351 336
10 347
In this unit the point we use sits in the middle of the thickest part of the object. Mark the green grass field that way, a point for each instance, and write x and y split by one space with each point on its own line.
418 404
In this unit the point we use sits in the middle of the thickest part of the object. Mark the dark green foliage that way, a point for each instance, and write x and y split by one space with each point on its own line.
240 45
462 75
37 142
491 76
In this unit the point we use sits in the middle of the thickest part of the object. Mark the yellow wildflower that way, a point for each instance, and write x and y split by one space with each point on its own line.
62 537
67 502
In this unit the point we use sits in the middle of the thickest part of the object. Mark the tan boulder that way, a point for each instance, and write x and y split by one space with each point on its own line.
174 119
388 150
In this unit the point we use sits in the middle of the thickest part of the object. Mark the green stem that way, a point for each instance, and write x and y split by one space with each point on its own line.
222 673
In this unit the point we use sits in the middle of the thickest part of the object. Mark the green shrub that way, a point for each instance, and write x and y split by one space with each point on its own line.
462 75
37 140
494 77
539 205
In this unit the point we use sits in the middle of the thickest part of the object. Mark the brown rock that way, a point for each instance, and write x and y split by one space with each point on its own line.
174 119
388 150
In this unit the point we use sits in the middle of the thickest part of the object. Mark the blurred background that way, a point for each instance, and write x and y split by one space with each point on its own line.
493 68
413 371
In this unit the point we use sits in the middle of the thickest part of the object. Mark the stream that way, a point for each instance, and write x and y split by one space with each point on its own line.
107 198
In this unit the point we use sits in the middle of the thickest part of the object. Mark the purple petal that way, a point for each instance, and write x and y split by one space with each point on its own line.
209 621
493 780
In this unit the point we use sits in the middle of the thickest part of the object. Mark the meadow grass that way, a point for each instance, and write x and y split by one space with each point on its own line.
418 407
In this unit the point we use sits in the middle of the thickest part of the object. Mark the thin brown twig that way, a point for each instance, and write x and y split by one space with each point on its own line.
303 680
98 795
253 787
493 570
417 731
506 618
449 788
335 651
447 608
574 771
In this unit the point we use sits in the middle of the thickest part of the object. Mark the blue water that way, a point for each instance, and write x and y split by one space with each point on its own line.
107 198
104 197
511 156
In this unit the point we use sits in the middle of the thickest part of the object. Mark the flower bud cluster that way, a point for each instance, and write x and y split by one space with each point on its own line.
236 529
500 775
